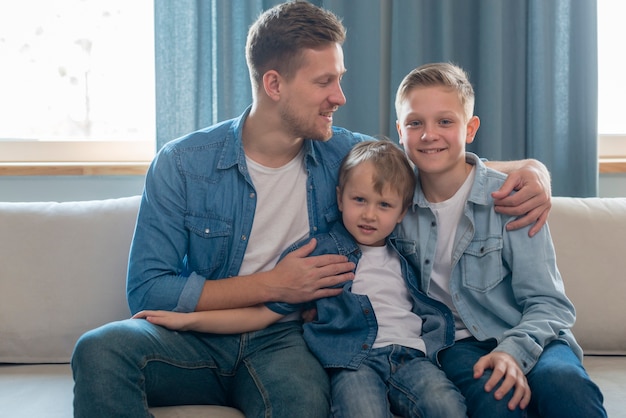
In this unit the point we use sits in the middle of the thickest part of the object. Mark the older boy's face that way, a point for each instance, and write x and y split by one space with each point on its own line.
310 98
434 129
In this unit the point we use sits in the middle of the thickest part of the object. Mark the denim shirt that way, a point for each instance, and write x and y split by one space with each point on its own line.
345 328
504 284
197 209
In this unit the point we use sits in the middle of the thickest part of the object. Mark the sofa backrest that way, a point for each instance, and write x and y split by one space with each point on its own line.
589 236
62 272
63 269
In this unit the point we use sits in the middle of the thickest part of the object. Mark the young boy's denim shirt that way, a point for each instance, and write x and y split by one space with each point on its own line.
197 210
505 285
344 331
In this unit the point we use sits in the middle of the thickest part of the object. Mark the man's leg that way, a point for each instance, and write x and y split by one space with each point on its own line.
458 363
279 377
561 387
121 368
418 388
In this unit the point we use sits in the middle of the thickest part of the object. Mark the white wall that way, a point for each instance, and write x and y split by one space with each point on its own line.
612 185
68 188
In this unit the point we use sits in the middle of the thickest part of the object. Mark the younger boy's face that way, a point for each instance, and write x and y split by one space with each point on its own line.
368 215
433 128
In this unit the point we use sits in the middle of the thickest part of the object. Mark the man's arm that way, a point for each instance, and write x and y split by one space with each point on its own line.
296 278
161 241
532 202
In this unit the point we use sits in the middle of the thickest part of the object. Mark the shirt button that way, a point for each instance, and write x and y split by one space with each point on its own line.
243 237
366 311
433 224
427 261
252 195
365 346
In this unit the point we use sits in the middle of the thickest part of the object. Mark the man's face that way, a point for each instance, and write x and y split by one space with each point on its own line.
310 98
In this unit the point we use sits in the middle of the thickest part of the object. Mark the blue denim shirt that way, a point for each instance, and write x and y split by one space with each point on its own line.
504 284
197 209
345 328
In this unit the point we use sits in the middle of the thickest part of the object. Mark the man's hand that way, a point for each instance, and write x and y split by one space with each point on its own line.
298 278
531 180
507 371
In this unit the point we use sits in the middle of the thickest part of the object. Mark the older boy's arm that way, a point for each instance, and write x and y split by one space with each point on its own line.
532 202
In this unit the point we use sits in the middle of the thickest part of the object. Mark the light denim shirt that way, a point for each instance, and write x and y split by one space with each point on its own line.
197 210
345 328
504 284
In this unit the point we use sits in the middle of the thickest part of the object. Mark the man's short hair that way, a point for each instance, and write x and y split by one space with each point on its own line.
278 37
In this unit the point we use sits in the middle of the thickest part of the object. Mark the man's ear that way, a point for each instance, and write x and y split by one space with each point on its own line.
272 84
472 127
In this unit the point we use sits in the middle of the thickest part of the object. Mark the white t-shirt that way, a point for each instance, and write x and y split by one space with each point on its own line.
281 216
448 215
379 276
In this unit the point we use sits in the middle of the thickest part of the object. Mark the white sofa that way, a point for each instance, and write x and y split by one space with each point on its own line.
63 267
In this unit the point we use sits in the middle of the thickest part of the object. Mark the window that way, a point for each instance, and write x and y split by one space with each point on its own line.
77 81
612 90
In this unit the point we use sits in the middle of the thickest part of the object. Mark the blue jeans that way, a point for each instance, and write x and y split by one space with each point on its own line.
122 368
395 380
560 386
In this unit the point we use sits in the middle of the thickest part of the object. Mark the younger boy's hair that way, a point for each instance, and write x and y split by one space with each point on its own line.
392 167
277 39
438 74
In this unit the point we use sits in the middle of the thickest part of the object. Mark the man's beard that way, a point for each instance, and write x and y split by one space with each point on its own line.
300 128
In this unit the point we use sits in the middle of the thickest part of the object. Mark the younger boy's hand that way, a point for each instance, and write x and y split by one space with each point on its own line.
507 374
172 320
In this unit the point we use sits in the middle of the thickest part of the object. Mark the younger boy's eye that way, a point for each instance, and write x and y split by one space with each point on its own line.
414 124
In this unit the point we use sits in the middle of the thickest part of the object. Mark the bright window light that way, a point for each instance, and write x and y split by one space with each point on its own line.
611 64
77 71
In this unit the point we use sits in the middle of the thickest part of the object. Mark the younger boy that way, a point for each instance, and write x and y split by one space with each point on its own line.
512 317
377 338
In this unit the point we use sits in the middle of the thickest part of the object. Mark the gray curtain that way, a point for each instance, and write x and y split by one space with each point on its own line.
533 64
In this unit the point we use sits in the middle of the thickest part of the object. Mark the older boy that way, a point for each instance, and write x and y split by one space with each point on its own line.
512 317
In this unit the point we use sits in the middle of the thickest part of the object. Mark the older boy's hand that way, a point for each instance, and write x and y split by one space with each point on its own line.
507 372
532 202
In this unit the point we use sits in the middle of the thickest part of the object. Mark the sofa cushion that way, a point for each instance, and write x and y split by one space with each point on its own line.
589 237
74 252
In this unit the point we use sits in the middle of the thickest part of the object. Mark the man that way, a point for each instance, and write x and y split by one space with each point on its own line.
219 207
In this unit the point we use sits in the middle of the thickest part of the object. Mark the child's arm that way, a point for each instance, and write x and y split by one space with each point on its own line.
226 321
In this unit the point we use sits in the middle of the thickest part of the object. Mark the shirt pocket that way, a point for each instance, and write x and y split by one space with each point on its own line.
209 240
409 251
482 264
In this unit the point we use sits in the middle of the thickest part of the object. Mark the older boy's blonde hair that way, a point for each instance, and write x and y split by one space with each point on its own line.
391 165
438 74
